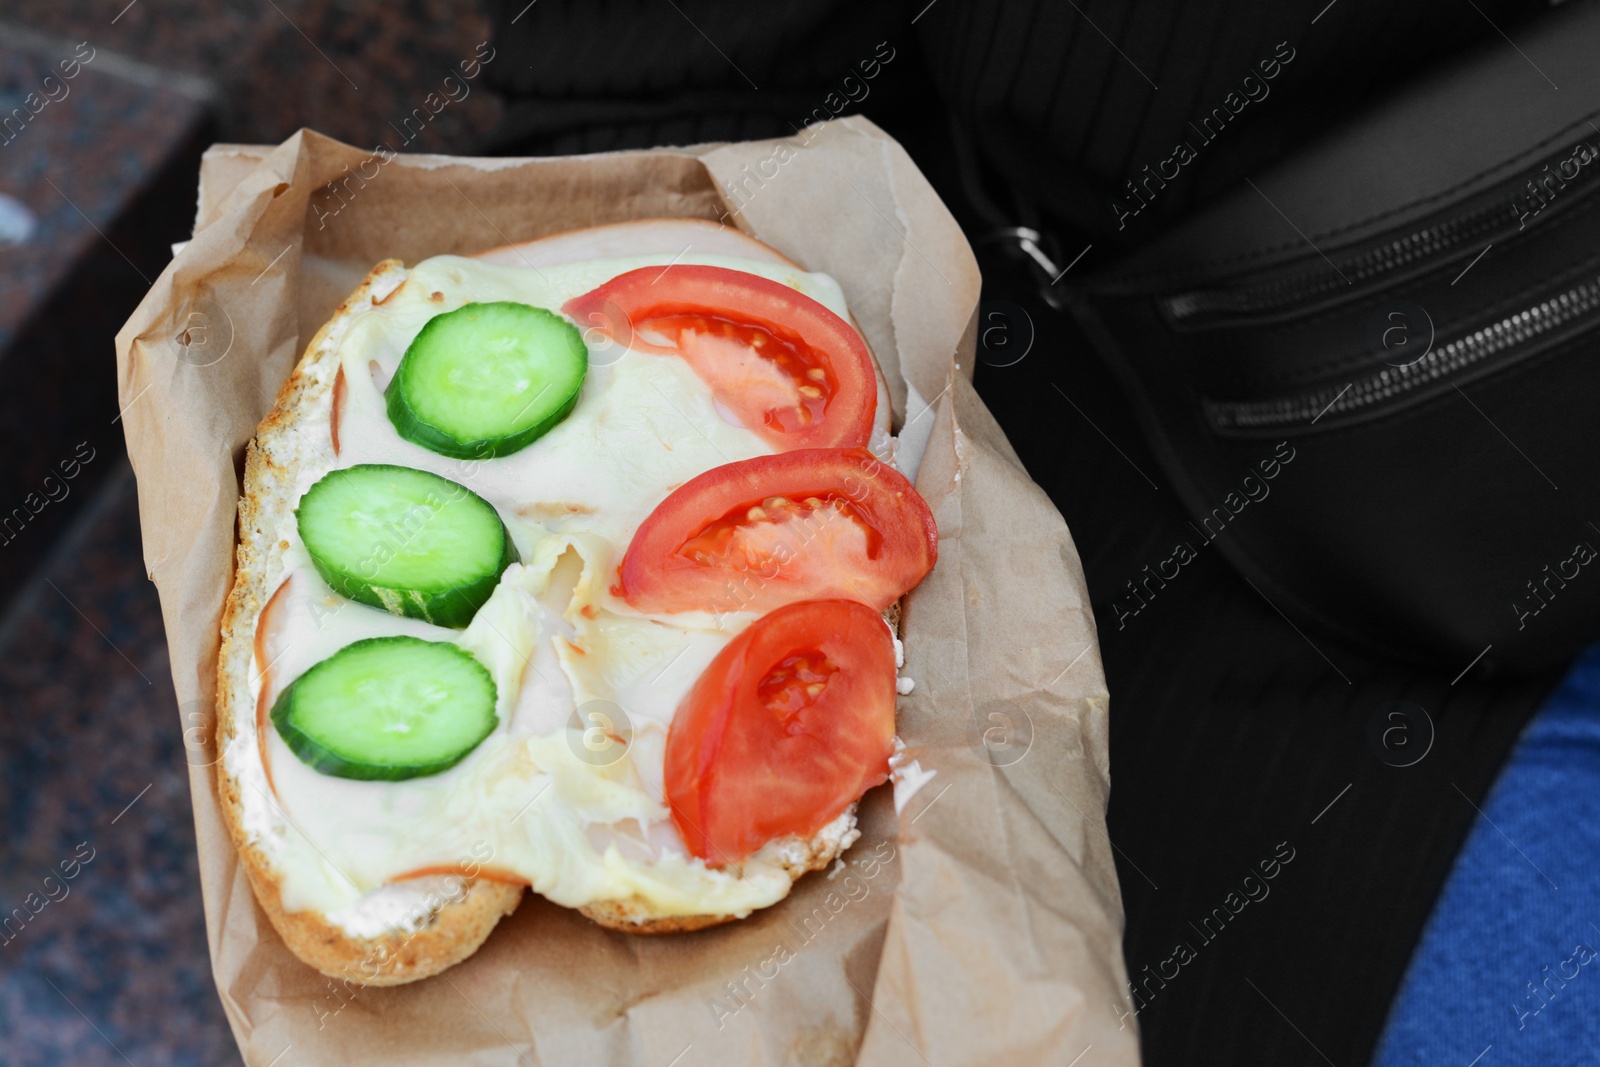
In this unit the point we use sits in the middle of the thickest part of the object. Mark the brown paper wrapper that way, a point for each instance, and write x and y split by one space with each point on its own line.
980 925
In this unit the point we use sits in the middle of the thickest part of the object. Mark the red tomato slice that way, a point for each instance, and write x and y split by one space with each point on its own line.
787 367
786 728
764 532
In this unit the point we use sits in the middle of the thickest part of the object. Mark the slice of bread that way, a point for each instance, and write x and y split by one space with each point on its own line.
449 933
452 916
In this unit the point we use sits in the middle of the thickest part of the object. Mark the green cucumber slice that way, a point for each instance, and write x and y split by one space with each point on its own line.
388 708
405 540
486 380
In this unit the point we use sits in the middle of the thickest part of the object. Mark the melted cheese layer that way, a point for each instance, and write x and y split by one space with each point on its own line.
553 796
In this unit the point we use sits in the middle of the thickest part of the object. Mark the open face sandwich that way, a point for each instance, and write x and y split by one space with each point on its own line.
576 566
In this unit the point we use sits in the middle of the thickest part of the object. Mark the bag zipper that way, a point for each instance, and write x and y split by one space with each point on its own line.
1281 293
1278 293
1378 387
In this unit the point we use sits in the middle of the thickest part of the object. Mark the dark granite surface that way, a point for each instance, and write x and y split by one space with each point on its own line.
108 966
343 67
96 176
73 163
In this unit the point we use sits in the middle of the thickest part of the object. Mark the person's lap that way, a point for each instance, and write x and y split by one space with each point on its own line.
1236 741
1505 969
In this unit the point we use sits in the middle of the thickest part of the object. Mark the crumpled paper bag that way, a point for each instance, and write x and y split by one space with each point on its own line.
979 924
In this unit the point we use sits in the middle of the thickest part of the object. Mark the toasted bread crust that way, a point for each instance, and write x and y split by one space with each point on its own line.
455 929
634 915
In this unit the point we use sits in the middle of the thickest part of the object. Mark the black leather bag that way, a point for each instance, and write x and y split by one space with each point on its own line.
1373 371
